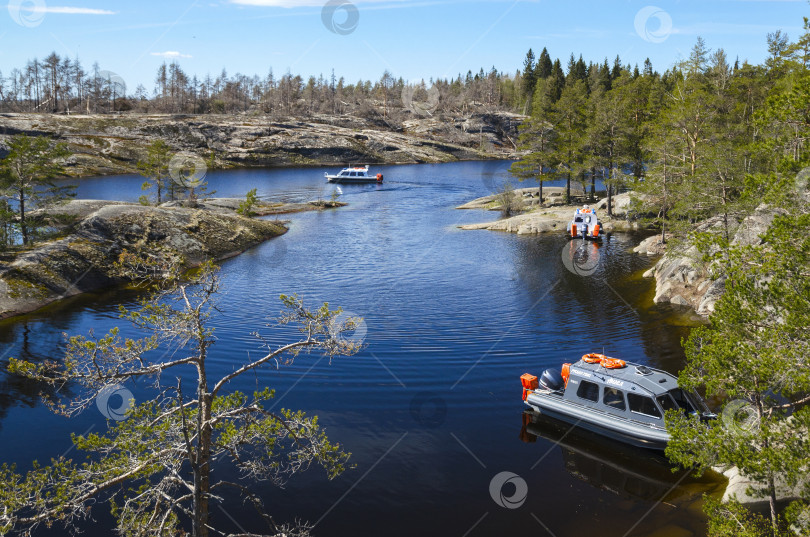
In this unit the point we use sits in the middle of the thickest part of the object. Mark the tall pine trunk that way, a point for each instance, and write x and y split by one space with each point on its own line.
202 474
202 461
772 504
610 188
568 187
23 226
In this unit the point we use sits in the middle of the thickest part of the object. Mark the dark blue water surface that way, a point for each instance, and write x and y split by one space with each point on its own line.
431 407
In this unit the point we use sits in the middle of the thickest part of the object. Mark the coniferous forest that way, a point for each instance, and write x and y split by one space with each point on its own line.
716 155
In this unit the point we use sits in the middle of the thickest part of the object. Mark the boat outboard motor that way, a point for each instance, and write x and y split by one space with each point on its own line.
551 379
585 227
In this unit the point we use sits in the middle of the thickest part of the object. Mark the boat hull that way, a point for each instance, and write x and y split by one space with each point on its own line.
628 431
351 180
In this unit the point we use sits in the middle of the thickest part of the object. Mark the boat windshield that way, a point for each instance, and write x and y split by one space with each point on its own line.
697 403
676 399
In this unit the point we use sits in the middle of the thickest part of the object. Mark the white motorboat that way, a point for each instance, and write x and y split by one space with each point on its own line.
608 396
585 224
355 174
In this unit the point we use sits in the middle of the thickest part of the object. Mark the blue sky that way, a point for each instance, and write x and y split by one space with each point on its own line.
412 39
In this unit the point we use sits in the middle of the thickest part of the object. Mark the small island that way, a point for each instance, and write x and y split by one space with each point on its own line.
95 234
552 215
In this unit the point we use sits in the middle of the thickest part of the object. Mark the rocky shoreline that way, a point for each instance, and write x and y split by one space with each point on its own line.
682 278
100 231
113 144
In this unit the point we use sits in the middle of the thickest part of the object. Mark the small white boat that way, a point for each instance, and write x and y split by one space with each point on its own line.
356 174
585 224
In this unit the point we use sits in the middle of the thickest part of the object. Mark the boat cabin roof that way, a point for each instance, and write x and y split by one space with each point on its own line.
353 172
630 377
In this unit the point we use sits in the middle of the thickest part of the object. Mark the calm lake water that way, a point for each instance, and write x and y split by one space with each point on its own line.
431 407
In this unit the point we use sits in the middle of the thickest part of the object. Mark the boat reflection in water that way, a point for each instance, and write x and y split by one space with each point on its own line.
581 256
615 467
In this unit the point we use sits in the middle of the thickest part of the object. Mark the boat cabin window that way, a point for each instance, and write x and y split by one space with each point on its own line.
588 391
614 398
352 174
641 404
578 219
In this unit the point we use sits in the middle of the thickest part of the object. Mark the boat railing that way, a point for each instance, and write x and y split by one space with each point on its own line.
652 369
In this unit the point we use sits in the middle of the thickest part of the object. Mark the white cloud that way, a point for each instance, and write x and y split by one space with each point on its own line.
300 3
727 28
171 54
69 10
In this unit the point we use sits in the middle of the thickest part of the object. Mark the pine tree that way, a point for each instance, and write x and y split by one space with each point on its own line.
580 70
557 81
155 167
607 138
648 68
27 173
753 354
538 137
544 65
529 75
159 467
570 121
617 68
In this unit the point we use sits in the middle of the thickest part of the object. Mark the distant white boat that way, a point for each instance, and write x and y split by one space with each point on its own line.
354 175
585 224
